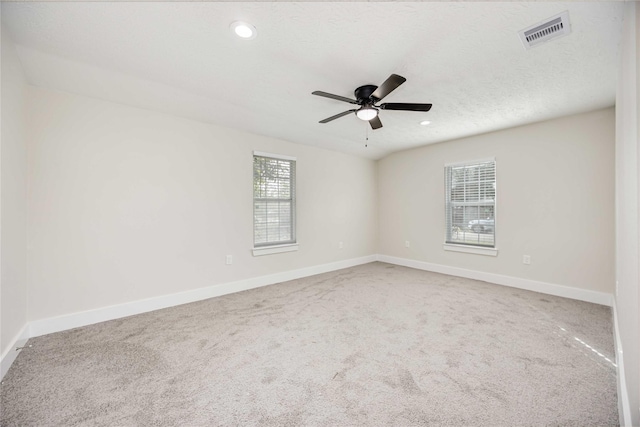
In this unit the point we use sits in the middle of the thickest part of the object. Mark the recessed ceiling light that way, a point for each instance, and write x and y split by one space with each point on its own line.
244 30
425 122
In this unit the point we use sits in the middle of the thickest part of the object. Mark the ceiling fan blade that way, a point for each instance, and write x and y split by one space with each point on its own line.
375 123
337 116
332 96
388 86
403 106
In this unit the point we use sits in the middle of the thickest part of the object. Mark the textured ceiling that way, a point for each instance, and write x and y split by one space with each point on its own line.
465 58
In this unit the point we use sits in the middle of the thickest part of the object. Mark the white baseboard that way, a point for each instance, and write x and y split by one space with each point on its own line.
89 317
498 279
11 353
623 395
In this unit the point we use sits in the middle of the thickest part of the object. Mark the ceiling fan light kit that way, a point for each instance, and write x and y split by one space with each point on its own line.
367 113
368 96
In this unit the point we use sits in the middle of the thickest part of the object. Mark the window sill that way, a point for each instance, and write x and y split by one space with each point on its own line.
471 249
268 250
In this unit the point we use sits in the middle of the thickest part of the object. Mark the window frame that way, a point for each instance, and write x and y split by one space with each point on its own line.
273 247
450 245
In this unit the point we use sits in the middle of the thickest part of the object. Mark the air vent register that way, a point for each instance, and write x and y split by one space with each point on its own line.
549 29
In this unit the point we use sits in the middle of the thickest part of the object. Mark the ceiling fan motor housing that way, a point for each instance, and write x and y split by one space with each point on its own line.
363 94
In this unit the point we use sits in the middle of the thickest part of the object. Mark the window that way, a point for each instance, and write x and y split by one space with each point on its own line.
274 201
470 202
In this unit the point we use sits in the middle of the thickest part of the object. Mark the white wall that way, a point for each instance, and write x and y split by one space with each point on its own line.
13 200
555 197
627 214
127 204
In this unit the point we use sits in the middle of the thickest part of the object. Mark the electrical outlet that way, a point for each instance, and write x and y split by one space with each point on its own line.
526 259
340 245
229 260
407 244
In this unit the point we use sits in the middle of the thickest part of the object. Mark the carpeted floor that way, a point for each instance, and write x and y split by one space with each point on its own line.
371 345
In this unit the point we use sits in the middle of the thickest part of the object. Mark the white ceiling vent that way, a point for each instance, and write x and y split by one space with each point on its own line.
549 29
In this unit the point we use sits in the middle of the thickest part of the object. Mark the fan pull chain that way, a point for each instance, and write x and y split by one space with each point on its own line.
366 135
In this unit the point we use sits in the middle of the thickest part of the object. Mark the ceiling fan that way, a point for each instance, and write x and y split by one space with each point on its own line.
368 96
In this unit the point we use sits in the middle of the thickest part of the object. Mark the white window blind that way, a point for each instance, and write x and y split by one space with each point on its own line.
274 201
470 202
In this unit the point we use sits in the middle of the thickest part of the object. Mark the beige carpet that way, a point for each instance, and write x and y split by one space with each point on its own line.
371 345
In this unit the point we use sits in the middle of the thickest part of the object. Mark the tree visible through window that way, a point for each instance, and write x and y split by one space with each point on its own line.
273 200
470 193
